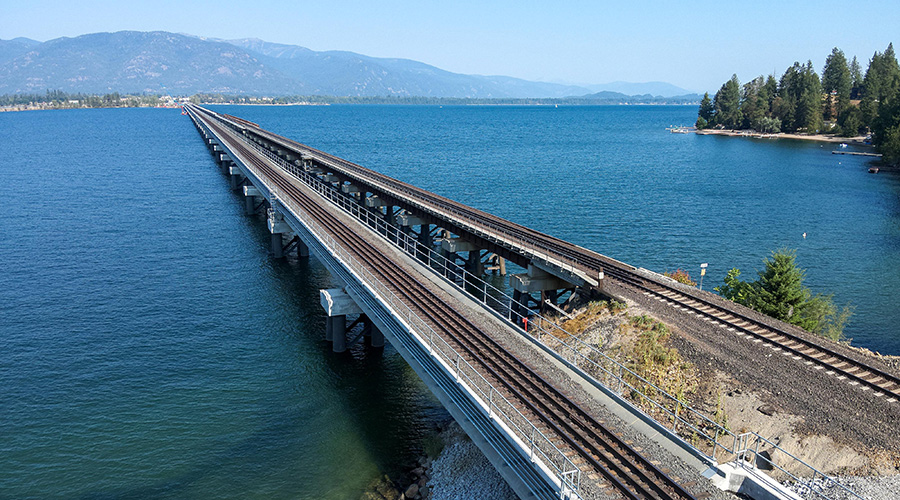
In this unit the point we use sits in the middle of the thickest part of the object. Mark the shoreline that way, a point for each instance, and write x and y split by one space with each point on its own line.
856 141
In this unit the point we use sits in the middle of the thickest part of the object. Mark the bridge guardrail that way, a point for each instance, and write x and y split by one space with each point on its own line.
687 422
541 449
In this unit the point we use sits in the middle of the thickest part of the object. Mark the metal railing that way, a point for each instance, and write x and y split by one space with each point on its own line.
687 422
811 485
538 446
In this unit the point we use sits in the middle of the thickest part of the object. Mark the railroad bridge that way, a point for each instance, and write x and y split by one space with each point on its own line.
414 264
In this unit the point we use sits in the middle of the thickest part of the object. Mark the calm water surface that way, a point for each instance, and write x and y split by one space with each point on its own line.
612 179
152 349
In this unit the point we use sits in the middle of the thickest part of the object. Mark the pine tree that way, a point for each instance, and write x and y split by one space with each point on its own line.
837 83
779 292
855 78
753 109
785 105
727 104
706 115
809 103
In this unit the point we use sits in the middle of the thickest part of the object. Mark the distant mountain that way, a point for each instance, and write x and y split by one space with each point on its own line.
10 49
611 97
351 74
169 63
135 62
658 89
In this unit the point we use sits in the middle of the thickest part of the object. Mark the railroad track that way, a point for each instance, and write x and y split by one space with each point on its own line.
610 457
883 385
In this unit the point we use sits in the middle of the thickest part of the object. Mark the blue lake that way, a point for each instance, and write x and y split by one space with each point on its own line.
153 349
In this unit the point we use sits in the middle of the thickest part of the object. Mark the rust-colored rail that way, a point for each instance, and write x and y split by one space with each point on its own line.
606 453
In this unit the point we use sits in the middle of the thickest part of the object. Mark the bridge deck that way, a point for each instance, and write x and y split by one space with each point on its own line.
572 262
594 449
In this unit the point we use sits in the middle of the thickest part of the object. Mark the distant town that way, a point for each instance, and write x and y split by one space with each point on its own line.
63 100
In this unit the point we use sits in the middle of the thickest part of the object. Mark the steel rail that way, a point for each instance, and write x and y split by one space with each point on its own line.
868 376
451 321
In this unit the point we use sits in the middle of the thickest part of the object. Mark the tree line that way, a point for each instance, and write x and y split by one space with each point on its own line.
57 99
843 101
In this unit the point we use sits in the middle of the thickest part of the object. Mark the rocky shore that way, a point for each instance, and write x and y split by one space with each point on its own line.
458 471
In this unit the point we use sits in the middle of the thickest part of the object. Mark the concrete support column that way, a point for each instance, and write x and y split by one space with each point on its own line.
425 235
474 264
277 227
337 304
338 333
277 246
377 338
302 249
251 195
236 176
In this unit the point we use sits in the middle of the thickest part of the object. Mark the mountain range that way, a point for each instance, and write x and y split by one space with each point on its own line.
169 63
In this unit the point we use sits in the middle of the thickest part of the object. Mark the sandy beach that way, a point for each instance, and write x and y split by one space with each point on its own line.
856 141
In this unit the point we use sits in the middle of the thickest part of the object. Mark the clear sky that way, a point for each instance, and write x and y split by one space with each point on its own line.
693 44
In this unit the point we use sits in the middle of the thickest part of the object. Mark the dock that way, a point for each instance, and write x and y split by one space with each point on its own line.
855 153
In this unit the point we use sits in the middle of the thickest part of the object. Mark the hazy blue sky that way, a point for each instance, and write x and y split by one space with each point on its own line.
693 44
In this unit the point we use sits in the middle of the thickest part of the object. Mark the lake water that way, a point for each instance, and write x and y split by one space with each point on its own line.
152 349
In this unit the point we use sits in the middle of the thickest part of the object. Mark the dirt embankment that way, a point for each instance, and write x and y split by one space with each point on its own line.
675 358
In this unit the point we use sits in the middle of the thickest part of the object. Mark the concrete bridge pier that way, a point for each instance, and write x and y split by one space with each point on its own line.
425 237
406 221
277 227
351 191
251 195
332 179
375 337
532 281
451 247
302 249
236 176
338 304
375 204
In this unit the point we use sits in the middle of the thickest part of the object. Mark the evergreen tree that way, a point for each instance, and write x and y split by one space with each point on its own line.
785 105
850 122
880 83
727 104
770 90
779 292
855 78
837 83
809 104
880 105
706 114
753 109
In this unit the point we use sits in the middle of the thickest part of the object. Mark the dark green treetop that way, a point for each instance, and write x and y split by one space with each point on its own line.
837 83
728 104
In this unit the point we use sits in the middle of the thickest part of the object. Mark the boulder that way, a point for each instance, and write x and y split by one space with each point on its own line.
766 410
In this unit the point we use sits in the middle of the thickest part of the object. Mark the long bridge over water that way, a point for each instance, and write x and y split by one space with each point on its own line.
413 265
